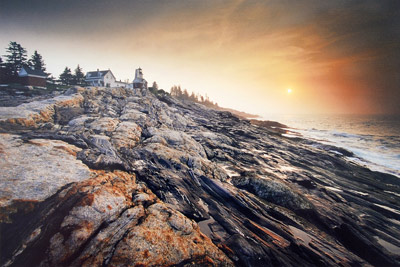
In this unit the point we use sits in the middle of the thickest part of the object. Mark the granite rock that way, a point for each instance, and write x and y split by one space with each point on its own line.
170 182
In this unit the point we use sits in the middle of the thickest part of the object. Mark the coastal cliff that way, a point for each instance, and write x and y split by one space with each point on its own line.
120 177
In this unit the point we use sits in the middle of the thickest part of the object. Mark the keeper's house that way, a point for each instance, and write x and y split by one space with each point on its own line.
103 78
28 76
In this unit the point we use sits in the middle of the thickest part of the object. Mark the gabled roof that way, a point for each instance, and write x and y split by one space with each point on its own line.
32 72
97 74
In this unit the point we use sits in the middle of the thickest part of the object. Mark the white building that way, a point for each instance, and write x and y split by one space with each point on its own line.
103 78
122 84
139 82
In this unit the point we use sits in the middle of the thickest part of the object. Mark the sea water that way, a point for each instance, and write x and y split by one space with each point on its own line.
373 139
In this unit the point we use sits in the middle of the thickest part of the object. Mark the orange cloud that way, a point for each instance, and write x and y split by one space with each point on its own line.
243 54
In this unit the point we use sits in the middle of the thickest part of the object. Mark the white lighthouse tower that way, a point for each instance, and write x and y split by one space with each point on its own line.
139 82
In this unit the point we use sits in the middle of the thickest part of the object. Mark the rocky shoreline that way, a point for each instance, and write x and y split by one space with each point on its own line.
119 177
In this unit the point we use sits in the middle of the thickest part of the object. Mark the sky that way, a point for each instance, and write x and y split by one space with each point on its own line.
337 57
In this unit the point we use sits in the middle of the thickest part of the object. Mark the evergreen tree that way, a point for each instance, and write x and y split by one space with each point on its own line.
154 88
16 57
176 91
36 62
185 94
179 91
5 72
66 76
155 85
2 71
192 97
78 78
173 91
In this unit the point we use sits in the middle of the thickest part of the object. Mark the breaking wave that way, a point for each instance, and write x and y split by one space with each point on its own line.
374 140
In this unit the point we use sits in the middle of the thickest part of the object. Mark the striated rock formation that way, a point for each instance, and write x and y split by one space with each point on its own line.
36 169
108 219
118 177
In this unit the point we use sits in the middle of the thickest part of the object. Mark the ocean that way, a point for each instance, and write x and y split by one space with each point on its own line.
373 139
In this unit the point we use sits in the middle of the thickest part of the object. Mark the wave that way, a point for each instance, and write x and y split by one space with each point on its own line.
373 140
369 151
377 153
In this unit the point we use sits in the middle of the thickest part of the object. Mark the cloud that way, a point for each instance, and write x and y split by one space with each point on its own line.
334 52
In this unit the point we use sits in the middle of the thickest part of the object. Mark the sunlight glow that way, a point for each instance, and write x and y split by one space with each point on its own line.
289 91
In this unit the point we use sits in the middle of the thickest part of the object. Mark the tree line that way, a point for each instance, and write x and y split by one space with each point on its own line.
69 78
177 92
16 57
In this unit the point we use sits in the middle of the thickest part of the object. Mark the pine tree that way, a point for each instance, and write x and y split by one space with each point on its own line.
78 78
185 94
16 57
174 91
155 85
66 76
2 71
179 92
36 62
5 72
192 97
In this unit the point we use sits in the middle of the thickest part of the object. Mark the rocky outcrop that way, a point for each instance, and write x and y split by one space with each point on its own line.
108 219
118 177
35 114
33 170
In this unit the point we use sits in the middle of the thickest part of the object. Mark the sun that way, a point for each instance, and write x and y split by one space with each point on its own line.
289 90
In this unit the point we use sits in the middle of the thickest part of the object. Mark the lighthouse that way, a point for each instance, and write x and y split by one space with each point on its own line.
139 82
